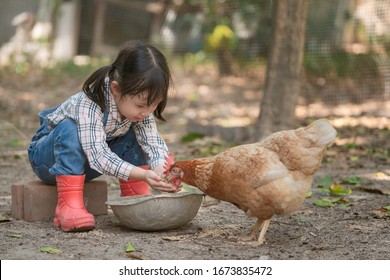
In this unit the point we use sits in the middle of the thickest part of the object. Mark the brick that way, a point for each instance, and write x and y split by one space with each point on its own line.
36 201
95 197
17 205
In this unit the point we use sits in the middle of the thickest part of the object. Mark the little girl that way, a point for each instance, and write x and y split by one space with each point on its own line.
108 128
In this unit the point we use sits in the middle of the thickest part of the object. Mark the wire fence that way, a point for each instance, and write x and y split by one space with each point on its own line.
346 59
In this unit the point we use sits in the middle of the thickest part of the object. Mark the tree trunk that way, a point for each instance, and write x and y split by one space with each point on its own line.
225 61
281 89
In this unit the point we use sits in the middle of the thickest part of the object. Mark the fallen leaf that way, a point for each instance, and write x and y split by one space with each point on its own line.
191 137
351 146
302 220
50 250
354 158
383 212
385 209
352 180
339 190
344 205
129 247
323 190
341 201
324 182
324 202
16 235
329 159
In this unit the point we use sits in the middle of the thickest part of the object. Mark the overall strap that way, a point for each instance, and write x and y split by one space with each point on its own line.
43 114
105 117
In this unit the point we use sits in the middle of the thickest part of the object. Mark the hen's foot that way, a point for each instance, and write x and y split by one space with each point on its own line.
208 201
250 240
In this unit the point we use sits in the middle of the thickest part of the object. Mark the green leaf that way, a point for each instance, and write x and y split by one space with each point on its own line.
343 202
354 158
16 235
309 194
324 182
344 205
329 159
302 220
50 250
351 146
191 137
352 180
338 190
325 202
129 247
324 190
339 200
386 210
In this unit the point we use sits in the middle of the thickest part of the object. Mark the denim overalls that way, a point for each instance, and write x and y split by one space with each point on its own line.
56 149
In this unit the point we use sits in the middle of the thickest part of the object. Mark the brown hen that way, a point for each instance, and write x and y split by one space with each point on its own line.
271 177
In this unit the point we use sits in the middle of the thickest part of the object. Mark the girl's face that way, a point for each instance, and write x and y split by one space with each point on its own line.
133 108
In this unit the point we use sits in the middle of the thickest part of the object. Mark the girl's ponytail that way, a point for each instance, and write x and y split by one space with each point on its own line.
94 86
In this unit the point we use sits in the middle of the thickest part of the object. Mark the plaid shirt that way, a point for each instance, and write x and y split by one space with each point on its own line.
93 134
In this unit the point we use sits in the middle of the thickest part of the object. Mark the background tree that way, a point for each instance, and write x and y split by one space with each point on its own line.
281 90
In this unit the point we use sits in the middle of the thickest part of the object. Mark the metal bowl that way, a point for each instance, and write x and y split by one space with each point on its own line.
157 212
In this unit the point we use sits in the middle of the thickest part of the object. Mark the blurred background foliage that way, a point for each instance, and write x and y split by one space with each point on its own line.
347 41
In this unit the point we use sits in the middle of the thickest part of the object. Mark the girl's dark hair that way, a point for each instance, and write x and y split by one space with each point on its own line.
138 68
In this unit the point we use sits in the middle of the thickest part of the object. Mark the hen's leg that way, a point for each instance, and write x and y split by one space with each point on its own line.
255 229
253 233
264 228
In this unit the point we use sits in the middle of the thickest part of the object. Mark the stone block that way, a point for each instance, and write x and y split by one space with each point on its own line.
36 201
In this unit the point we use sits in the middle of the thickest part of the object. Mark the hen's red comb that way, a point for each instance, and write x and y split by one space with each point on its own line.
169 161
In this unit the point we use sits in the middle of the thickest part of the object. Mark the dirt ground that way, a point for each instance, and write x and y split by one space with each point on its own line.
357 228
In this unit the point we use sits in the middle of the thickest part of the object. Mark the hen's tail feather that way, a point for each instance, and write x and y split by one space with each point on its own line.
324 131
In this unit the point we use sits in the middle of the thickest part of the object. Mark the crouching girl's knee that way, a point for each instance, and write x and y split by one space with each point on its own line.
67 131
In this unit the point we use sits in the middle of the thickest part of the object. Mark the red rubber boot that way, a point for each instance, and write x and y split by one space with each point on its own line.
71 214
134 187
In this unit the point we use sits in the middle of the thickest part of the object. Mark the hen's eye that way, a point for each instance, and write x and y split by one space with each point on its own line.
175 170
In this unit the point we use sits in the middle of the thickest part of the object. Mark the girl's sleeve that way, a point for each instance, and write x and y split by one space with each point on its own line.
151 142
93 141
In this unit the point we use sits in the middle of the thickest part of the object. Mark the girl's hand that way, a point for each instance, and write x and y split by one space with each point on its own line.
155 182
166 178
152 178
